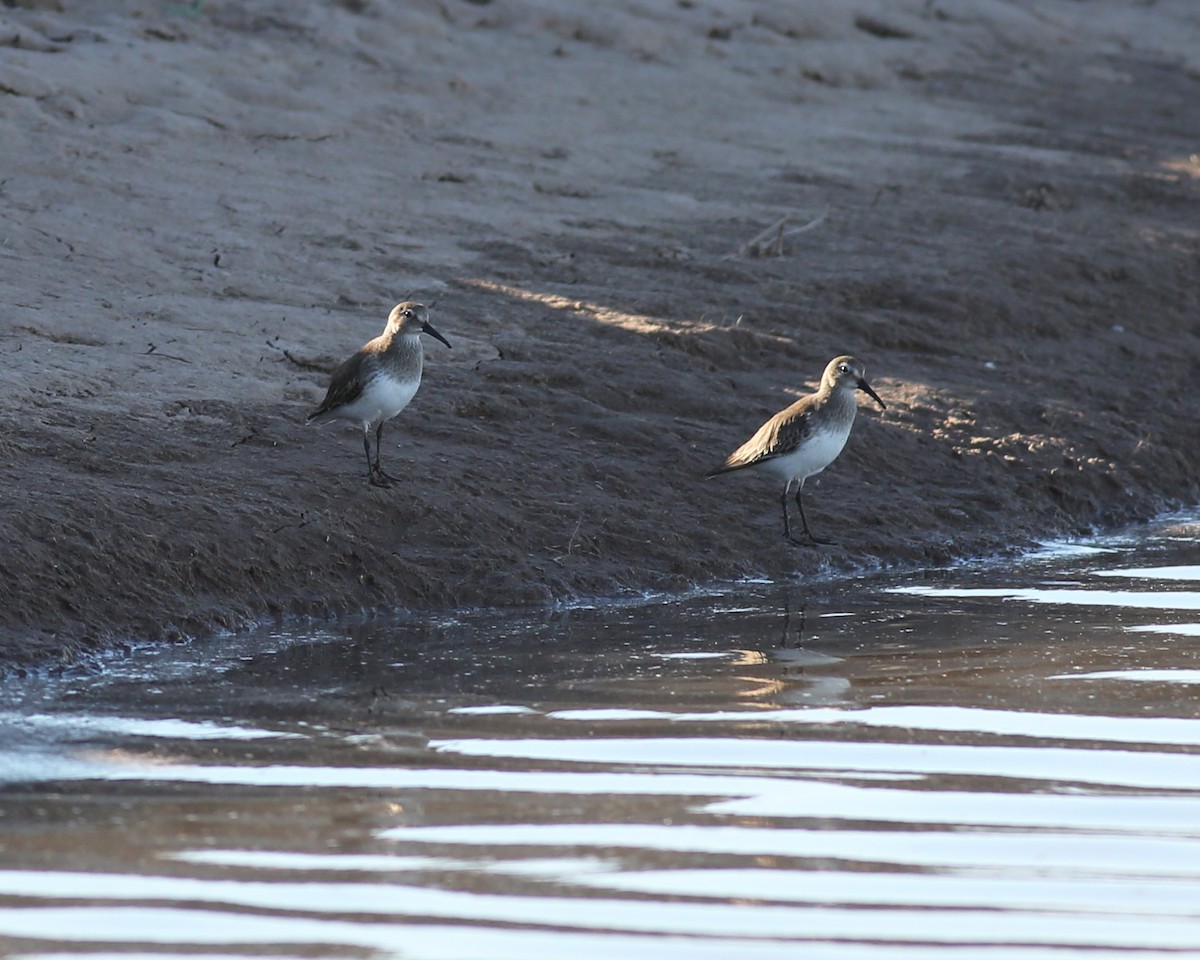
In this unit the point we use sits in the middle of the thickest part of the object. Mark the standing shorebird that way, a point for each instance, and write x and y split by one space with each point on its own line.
379 380
806 437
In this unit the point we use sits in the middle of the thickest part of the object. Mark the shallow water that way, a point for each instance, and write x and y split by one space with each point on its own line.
989 760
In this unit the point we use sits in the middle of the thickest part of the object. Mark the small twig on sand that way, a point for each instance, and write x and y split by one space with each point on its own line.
811 225
577 543
574 537
769 243
300 361
153 352
305 520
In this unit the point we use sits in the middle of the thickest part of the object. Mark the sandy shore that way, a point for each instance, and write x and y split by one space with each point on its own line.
206 207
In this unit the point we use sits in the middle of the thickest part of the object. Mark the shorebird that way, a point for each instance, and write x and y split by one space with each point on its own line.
805 438
379 380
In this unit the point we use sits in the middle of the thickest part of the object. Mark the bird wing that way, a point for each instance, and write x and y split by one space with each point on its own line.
345 386
777 437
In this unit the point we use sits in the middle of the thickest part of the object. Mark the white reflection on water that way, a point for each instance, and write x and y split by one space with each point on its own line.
1107 767
1061 549
1180 629
1084 894
693 656
1055 726
1005 852
83 726
454 942
1144 676
370 903
143 954
1154 573
1151 814
750 795
281 860
1157 600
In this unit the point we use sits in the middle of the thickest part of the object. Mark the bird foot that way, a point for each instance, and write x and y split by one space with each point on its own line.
377 478
812 541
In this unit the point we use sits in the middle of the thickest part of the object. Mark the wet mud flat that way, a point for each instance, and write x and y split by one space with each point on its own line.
205 213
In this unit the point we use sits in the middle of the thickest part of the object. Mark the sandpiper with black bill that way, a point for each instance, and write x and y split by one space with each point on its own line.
805 438
379 380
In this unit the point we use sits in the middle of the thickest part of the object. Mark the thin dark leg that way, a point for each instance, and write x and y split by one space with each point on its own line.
375 476
787 530
807 532
378 447
367 449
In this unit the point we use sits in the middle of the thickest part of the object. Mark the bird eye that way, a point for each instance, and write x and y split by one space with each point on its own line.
408 314
843 369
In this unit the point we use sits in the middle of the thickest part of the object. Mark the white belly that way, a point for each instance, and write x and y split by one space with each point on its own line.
382 399
813 456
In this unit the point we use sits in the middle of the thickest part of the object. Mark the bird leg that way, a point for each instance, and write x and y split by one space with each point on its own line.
375 475
787 529
377 469
808 533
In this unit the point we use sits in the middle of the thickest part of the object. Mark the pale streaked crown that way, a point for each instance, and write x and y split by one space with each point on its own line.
843 373
408 319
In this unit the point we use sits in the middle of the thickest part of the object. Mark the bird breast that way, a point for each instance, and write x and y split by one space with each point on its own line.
381 399
812 456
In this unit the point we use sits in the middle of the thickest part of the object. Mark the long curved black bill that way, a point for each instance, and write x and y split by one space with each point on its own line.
428 328
866 388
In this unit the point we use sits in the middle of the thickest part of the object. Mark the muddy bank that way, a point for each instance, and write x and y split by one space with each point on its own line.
204 212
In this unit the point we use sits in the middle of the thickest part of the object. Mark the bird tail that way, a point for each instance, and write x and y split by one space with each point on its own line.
726 467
